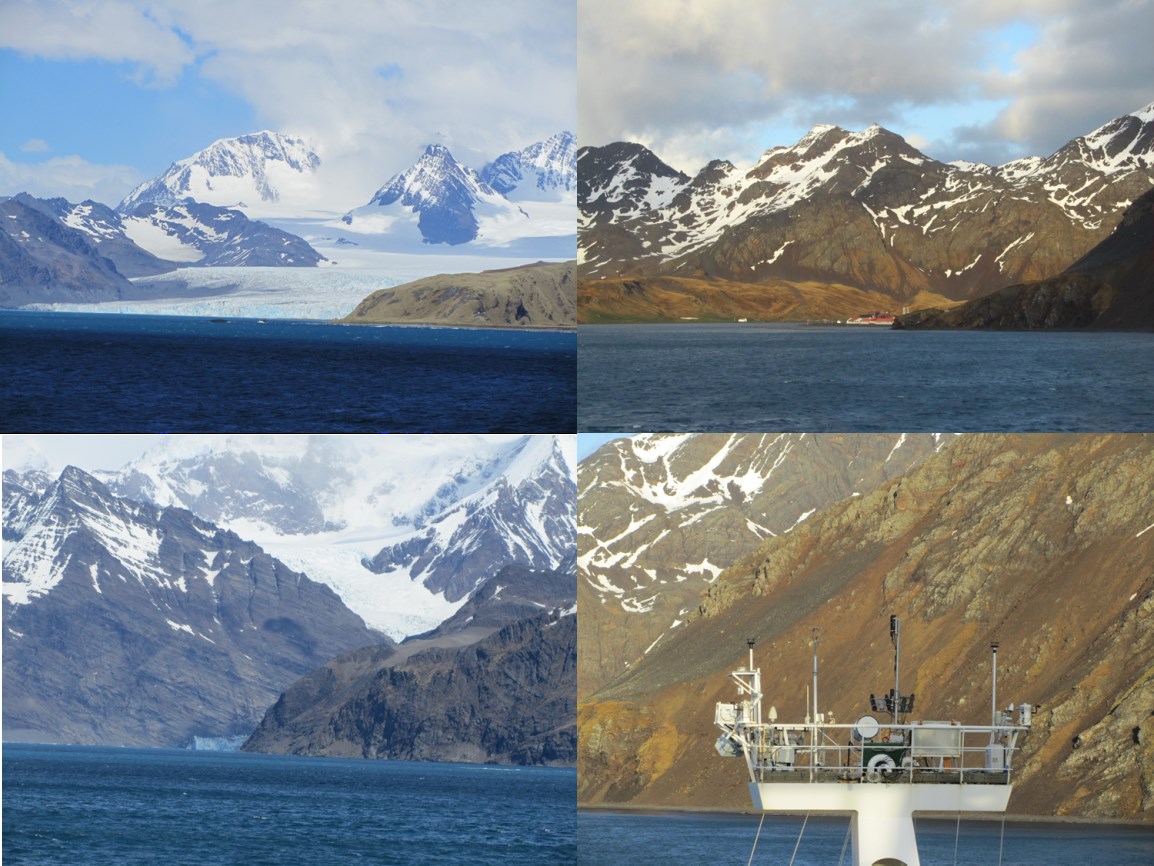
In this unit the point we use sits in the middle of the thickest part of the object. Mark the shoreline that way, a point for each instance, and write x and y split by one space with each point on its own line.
225 319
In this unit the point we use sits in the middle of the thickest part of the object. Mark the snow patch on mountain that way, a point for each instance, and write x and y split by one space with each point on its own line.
262 173
386 521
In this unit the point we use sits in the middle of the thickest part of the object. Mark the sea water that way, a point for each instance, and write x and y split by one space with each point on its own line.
94 806
85 372
753 377
693 839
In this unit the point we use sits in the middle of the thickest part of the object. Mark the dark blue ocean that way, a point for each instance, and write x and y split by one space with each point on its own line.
88 372
799 378
88 806
694 839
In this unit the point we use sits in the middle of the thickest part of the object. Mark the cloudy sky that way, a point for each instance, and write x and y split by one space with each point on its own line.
99 96
985 80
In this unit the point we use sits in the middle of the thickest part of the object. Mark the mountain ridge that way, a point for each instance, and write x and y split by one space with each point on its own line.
128 624
864 209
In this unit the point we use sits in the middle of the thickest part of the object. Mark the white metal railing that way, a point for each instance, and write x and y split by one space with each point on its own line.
940 752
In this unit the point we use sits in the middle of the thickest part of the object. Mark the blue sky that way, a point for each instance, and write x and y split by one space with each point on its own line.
97 97
587 443
983 80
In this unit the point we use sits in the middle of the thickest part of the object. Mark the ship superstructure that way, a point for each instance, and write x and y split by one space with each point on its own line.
880 769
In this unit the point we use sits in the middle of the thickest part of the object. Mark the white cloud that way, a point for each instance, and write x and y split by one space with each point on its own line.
670 71
70 177
35 145
113 30
370 81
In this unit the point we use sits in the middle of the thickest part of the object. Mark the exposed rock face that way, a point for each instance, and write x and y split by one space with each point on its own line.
661 516
127 624
1042 542
513 593
225 237
105 229
540 295
863 210
41 259
1112 286
508 699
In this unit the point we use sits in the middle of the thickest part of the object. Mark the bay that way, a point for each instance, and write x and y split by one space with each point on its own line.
692 838
94 805
799 378
88 372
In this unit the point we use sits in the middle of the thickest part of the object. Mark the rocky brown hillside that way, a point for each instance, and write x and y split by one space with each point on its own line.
539 296
509 698
1041 542
1112 286
662 515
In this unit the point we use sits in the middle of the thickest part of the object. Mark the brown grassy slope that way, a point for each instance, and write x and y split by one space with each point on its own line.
538 296
670 299
1035 541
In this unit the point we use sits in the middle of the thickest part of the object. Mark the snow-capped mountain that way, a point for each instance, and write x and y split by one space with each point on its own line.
544 171
438 197
52 250
402 527
202 234
663 515
256 172
438 200
129 624
863 209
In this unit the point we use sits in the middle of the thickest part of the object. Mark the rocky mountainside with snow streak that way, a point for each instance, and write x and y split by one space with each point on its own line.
861 209
661 516
42 259
1041 542
1109 287
129 624
404 528
242 172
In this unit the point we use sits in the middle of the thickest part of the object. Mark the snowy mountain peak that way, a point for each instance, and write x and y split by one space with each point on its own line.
256 171
544 170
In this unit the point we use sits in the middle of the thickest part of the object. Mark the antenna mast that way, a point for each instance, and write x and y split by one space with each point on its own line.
896 637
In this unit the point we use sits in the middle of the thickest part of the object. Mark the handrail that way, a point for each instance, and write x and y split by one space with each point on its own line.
941 752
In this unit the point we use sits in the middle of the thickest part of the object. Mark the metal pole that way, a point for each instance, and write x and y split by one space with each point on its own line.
814 632
994 689
896 634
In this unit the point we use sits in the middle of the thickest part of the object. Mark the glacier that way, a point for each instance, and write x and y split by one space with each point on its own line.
282 293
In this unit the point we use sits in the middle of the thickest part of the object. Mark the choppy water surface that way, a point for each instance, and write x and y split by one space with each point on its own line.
692 839
752 377
94 806
86 372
